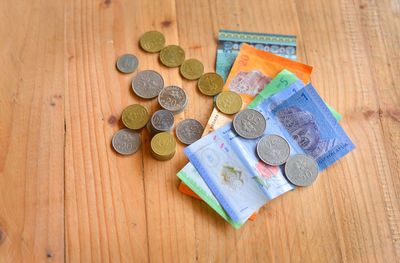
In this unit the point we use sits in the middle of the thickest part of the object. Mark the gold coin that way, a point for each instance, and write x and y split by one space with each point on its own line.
229 102
163 146
172 56
135 116
210 84
191 69
152 41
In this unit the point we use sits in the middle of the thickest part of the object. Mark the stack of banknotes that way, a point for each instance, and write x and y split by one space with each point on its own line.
224 169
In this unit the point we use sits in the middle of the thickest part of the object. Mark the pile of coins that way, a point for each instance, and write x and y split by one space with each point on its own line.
274 150
149 84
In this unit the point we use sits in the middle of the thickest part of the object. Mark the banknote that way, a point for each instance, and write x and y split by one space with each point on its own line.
229 43
252 70
238 179
189 174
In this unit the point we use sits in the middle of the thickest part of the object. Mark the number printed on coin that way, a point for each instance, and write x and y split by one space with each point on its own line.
173 98
210 84
126 141
152 41
273 149
191 69
135 116
188 131
147 84
229 102
162 120
249 124
301 169
127 63
172 56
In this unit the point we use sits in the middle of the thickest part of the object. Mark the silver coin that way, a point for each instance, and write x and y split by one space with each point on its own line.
147 84
301 169
162 120
188 131
127 63
273 149
126 141
249 124
173 98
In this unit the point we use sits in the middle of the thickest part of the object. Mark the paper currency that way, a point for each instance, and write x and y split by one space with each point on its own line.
252 71
229 43
189 174
238 179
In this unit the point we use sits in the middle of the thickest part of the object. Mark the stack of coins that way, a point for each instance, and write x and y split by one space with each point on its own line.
161 121
163 146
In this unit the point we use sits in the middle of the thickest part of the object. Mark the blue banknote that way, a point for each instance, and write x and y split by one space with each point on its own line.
238 179
229 43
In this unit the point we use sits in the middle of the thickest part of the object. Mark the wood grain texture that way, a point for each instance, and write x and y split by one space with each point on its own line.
67 196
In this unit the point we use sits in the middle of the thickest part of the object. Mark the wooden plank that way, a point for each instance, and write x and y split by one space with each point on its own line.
31 131
105 209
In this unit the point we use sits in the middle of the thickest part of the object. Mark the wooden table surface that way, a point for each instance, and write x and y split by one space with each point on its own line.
65 195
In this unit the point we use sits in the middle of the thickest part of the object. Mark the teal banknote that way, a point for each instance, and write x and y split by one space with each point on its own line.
229 43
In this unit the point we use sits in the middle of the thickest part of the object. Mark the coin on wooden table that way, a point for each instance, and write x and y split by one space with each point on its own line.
172 56
163 146
127 63
191 69
162 120
273 149
135 116
210 84
173 98
301 169
229 102
126 141
188 131
249 124
152 41
147 84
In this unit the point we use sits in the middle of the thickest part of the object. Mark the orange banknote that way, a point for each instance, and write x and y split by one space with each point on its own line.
186 190
251 71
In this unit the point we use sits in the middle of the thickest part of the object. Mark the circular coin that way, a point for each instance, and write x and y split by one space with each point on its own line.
188 131
126 141
162 146
191 69
229 102
162 120
273 149
135 116
127 63
210 84
172 56
147 84
173 98
152 41
249 124
301 169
